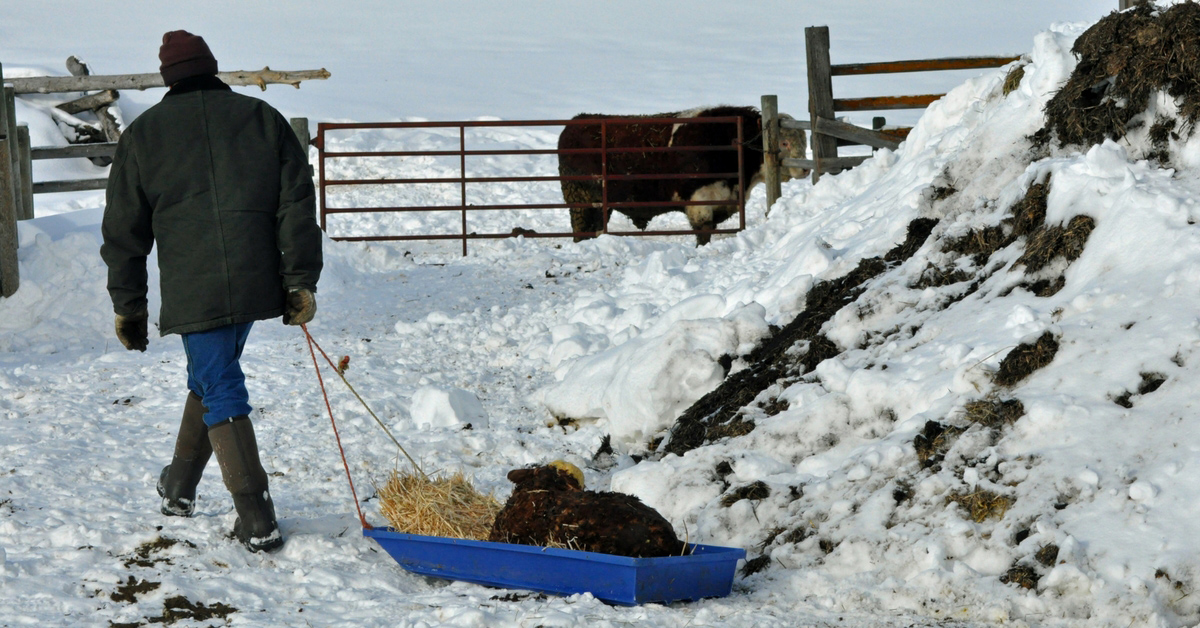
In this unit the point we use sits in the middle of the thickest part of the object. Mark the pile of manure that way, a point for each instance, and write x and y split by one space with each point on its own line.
1026 358
1124 60
933 442
1044 244
793 350
1053 241
981 505
1028 217
994 412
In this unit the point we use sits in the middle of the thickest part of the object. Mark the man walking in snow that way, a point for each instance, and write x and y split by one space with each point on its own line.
220 183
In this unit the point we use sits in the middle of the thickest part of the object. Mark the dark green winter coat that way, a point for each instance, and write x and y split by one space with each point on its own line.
220 183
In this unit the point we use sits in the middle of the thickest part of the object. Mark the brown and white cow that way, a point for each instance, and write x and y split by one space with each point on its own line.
683 133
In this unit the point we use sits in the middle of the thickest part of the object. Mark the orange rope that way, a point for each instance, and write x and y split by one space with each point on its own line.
339 369
321 381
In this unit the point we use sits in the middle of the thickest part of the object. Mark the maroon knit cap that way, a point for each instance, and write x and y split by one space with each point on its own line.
184 55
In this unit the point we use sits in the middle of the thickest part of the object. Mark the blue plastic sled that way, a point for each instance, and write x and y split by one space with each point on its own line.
706 572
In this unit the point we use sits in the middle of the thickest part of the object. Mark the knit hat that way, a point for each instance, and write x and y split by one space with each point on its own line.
184 55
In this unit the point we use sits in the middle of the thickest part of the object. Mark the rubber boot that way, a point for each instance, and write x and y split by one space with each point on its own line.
178 480
237 452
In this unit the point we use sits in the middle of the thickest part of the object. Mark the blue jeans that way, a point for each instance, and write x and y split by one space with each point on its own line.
215 373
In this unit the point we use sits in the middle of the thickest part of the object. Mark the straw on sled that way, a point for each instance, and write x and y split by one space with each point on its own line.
437 506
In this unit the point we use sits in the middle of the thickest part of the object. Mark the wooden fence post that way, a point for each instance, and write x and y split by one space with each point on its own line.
9 111
9 279
770 135
820 94
300 128
1126 4
25 158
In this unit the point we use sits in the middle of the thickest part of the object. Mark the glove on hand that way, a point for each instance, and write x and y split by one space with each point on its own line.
301 306
131 331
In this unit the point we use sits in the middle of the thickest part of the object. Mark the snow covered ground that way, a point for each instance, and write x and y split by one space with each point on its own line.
623 334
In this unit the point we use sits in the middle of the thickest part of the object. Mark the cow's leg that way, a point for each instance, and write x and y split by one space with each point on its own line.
583 219
701 217
709 216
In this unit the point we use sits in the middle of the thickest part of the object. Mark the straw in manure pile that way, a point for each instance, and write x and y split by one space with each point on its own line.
437 506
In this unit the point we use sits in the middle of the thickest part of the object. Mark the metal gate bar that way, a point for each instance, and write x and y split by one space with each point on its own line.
462 180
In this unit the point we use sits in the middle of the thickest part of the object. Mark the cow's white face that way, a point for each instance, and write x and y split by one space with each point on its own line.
794 144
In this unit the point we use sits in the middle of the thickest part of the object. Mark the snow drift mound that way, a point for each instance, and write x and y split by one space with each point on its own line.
993 425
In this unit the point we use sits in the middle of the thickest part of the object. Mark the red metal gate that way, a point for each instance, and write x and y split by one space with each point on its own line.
462 153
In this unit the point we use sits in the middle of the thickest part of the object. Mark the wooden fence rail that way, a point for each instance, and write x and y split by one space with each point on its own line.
87 83
102 149
917 65
823 107
841 133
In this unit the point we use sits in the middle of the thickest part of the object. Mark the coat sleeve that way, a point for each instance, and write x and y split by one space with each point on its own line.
128 232
299 236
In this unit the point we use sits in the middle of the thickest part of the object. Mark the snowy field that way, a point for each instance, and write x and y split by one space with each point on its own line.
622 335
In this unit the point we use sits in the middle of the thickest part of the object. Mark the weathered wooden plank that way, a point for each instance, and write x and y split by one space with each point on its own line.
108 123
14 157
85 132
881 103
805 125
77 67
820 92
300 128
9 271
791 123
896 133
106 149
921 65
770 140
91 101
835 164
80 185
25 184
855 134
261 78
